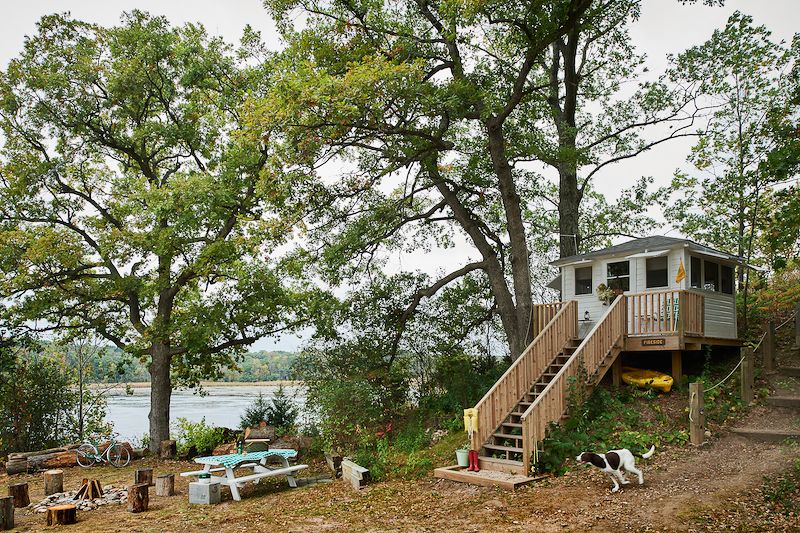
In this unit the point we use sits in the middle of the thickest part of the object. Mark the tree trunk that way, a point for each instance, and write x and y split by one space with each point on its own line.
160 394
19 491
53 482
165 485
138 498
62 514
6 513
568 202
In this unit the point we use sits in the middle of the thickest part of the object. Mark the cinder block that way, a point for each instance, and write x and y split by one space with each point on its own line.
204 493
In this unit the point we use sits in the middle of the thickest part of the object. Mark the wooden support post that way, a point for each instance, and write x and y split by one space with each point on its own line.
143 475
677 366
138 497
616 371
19 491
165 485
53 482
769 348
6 513
62 514
747 376
168 449
697 416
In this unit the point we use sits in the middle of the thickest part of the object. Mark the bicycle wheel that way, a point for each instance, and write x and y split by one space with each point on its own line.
118 456
86 454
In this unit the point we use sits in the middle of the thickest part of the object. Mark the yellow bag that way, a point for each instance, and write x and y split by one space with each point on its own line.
471 421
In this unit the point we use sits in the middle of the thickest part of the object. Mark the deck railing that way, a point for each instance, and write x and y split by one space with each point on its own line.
551 404
665 313
543 314
506 393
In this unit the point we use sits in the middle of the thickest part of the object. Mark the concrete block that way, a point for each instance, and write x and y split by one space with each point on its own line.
204 493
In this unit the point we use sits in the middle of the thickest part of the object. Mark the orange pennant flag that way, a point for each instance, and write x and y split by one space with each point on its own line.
681 273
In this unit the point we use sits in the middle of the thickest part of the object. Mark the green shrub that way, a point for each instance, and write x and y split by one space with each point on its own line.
198 435
282 411
255 413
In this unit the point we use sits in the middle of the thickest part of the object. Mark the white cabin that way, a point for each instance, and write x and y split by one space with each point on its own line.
647 270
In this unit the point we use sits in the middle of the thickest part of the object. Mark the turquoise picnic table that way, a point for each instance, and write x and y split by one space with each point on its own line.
255 461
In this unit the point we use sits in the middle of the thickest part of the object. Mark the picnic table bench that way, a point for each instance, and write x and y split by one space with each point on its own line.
256 461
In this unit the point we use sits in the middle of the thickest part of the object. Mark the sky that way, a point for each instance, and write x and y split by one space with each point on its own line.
666 26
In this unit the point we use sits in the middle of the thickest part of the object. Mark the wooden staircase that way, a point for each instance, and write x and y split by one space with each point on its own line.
514 415
506 441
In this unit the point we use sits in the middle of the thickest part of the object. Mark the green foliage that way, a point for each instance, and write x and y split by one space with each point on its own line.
197 436
606 419
783 494
39 401
282 411
255 413
459 380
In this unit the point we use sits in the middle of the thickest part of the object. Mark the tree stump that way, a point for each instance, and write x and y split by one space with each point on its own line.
6 512
143 475
168 449
19 491
53 482
138 497
165 485
59 515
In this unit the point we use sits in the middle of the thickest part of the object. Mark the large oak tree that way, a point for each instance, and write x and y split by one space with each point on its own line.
132 203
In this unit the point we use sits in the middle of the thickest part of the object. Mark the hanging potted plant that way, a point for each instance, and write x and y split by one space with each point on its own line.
605 294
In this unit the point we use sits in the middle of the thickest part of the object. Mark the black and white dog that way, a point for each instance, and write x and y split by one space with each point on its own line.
615 463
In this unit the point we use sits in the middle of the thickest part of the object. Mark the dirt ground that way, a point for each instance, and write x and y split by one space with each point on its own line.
685 489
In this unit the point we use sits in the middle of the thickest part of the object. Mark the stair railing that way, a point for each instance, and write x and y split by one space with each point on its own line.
551 404
517 381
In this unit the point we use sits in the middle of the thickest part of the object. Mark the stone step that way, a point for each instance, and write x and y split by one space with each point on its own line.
791 371
784 401
767 435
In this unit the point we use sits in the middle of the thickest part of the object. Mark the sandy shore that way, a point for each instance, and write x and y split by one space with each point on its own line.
204 384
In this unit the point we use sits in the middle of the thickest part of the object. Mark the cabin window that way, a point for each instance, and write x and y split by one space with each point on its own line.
657 272
727 279
711 276
583 280
619 275
696 273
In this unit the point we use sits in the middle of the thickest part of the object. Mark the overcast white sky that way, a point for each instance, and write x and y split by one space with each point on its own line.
665 27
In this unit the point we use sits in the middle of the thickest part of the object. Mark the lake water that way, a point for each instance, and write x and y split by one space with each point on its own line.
221 406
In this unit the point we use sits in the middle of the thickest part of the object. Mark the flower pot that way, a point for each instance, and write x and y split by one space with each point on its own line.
462 457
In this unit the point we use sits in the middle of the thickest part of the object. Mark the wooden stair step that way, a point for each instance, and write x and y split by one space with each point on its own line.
767 435
784 401
512 424
507 436
502 448
486 477
790 371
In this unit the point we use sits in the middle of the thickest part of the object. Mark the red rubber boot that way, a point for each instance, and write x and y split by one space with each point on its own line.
475 455
471 461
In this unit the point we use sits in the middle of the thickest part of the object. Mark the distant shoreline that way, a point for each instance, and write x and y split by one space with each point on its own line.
204 384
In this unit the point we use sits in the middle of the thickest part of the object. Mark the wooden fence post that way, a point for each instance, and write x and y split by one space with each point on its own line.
769 348
697 415
677 366
747 376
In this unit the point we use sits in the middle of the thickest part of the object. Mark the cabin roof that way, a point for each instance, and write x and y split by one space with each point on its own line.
648 244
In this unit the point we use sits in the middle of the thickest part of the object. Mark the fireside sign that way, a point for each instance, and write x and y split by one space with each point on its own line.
653 342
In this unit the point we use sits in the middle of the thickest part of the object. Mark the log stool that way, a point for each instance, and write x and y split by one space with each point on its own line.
60 515
168 449
165 485
6 512
143 475
19 491
53 482
138 497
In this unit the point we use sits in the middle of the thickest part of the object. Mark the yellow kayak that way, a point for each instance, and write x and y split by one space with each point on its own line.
647 378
